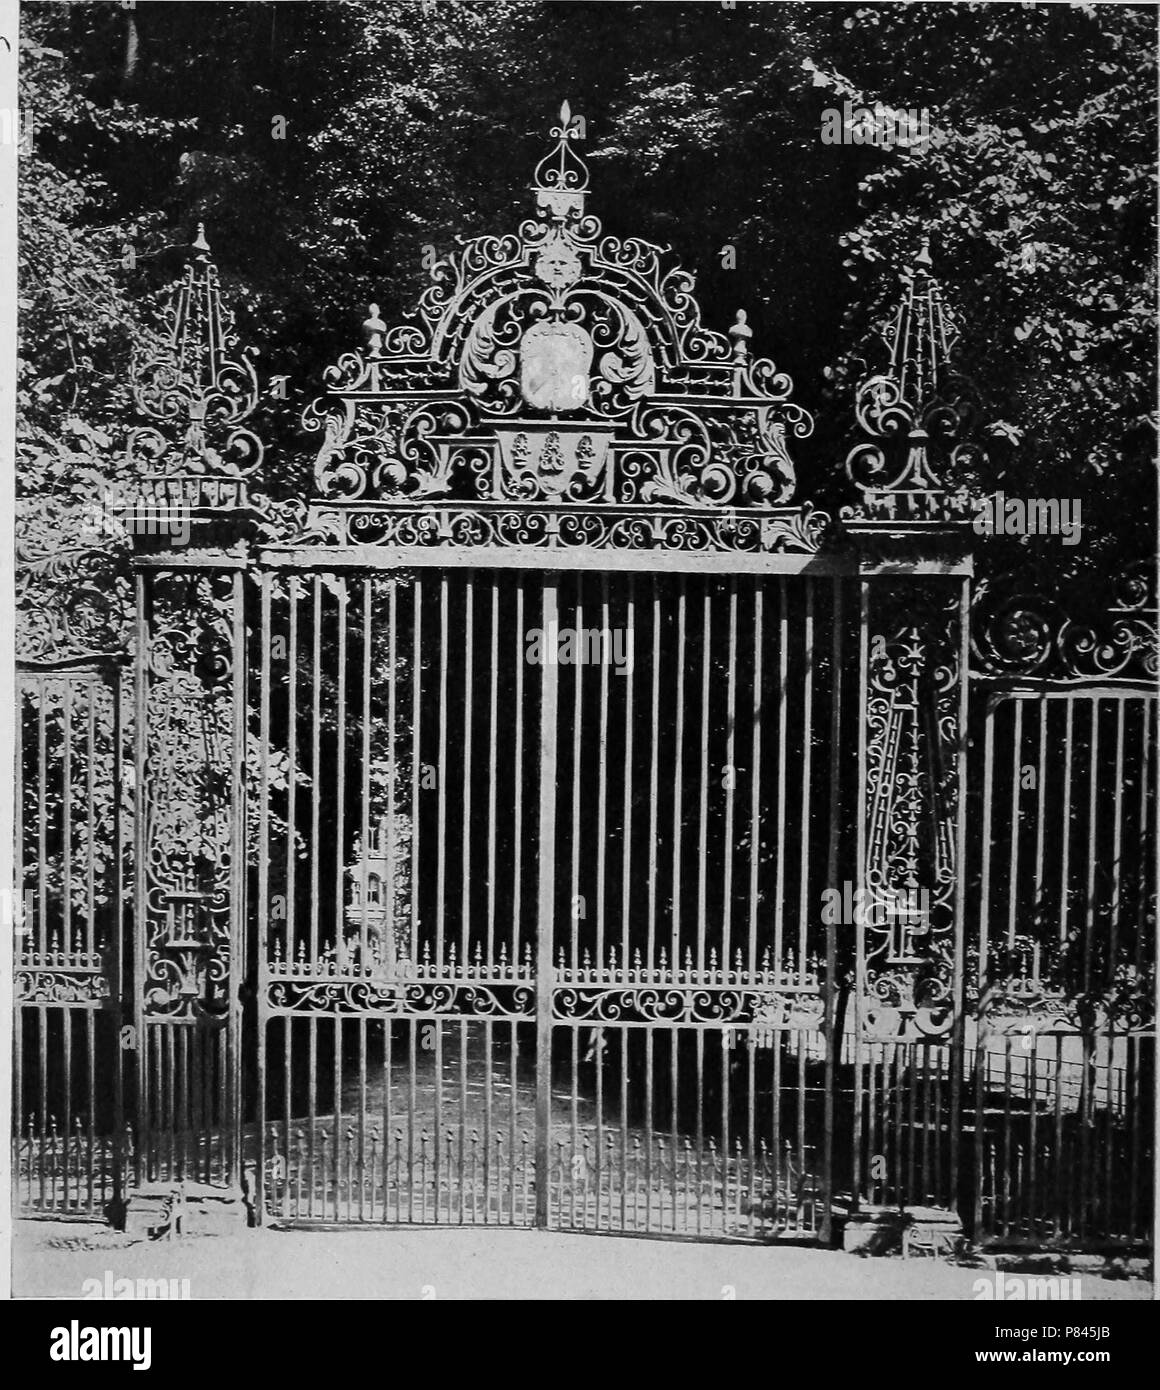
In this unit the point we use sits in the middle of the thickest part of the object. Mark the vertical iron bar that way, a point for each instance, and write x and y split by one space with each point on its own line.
833 1041
958 991
860 943
546 900
263 890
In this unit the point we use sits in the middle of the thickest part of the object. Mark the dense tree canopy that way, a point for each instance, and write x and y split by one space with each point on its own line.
326 144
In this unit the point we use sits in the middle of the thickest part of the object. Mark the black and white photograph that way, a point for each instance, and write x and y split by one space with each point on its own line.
580 665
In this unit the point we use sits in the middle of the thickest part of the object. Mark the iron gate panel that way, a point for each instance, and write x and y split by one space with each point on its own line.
396 898
1061 1038
70 1139
689 994
189 889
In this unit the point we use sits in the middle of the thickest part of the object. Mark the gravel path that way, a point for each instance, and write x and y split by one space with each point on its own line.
466 1263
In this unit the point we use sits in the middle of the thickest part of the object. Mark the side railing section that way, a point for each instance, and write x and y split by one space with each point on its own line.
1061 970
70 1138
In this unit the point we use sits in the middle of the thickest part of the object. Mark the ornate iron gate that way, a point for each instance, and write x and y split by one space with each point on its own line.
530 729
552 823
576 975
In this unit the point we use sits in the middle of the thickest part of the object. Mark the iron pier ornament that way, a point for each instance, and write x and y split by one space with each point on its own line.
198 454
916 461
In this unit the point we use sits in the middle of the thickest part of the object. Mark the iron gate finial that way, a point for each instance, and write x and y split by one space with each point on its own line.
916 460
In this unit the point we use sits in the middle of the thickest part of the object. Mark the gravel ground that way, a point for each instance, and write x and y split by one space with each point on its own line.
52 1260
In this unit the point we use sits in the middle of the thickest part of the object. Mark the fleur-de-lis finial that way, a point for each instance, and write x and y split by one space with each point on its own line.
561 176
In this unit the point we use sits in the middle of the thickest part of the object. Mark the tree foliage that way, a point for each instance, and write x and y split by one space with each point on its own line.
326 145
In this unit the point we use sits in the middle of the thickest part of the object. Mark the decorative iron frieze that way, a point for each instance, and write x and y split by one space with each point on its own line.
61 977
688 1005
436 997
784 531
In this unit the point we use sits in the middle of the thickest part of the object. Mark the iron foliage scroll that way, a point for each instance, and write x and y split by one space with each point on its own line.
1022 628
912 732
186 800
556 386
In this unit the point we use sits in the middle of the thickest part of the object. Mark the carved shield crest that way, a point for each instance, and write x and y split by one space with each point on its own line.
555 359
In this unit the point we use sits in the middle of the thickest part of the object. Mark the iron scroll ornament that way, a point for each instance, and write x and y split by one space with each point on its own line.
556 368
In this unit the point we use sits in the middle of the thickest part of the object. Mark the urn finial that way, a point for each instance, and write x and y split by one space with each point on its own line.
374 328
741 333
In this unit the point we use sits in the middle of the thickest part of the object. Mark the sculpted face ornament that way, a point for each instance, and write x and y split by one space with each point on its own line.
557 265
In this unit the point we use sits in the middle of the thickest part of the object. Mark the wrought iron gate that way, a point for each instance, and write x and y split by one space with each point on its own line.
539 939
550 822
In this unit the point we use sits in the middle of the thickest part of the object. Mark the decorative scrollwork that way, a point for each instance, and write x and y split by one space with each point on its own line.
565 366
912 718
200 388
60 985
791 531
687 1005
438 998
917 461
187 799
1020 630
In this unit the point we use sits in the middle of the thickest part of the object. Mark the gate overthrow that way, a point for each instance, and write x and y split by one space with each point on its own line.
550 822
